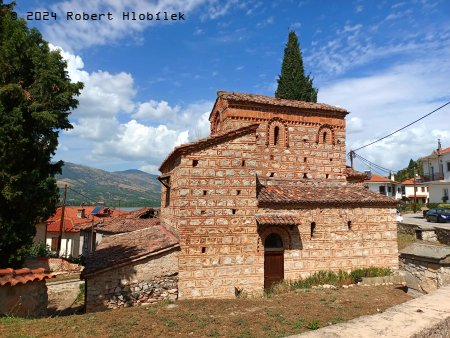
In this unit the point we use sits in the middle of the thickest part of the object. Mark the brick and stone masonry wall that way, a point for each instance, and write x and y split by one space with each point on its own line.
370 240
24 300
148 281
424 276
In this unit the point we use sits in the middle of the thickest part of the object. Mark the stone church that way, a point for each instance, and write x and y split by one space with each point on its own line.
267 196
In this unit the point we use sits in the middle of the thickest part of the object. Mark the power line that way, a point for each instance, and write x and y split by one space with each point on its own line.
373 164
394 132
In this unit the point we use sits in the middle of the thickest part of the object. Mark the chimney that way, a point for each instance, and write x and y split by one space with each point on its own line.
392 177
439 145
80 213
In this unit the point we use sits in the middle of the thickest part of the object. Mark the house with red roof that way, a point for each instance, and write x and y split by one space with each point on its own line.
383 185
415 189
436 168
77 227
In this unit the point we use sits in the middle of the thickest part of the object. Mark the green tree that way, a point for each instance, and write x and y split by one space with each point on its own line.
36 95
292 82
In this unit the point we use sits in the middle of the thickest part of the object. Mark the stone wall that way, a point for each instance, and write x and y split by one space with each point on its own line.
370 239
24 300
52 264
145 281
443 235
424 276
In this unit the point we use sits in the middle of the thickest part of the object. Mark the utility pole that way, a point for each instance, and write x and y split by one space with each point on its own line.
61 224
415 188
352 153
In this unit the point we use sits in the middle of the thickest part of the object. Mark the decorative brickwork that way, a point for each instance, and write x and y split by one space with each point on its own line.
270 166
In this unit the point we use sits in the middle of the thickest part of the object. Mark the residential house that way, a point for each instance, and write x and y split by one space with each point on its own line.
436 168
383 185
415 188
78 229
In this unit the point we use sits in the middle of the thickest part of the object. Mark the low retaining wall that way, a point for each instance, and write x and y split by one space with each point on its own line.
52 264
405 228
443 235
24 300
144 293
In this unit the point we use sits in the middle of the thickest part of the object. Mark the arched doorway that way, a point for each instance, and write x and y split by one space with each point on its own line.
273 259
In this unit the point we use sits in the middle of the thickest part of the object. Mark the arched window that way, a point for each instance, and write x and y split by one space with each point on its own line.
324 137
276 135
273 241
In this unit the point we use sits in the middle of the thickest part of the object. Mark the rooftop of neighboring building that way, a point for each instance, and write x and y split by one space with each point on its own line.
135 220
78 217
124 248
375 178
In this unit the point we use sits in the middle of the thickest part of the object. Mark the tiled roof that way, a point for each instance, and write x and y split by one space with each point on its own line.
268 100
22 276
71 220
281 219
410 181
375 178
208 142
444 151
300 196
135 220
123 248
72 223
417 196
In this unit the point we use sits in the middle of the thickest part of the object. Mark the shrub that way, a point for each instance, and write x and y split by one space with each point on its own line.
39 250
358 274
444 206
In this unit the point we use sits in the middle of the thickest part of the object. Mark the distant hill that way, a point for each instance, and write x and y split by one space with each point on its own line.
130 188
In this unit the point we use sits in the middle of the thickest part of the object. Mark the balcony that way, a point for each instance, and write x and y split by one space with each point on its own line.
436 177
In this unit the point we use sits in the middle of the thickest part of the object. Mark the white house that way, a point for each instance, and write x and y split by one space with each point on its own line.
421 190
436 168
383 185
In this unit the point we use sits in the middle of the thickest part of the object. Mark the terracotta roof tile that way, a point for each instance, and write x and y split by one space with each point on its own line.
281 219
410 181
123 248
348 195
208 142
444 151
378 178
136 220
268 100
73 223
22 276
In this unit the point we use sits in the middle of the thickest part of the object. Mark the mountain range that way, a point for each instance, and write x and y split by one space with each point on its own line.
128 188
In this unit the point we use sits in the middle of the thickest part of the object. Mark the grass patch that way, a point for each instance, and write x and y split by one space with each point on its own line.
404 240
313 324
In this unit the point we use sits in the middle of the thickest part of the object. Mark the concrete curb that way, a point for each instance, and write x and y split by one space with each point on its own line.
426 316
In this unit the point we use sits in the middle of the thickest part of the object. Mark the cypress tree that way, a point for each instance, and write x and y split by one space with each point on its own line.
292 82
36 95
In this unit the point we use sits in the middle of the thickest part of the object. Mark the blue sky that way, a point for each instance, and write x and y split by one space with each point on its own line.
150 85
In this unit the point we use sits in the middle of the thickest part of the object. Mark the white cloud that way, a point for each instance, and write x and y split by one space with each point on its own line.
74 35
156 110
382 103
135 141
104 94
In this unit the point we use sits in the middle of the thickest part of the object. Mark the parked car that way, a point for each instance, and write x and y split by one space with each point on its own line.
438 215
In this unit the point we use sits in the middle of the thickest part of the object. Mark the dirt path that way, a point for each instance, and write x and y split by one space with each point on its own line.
62 297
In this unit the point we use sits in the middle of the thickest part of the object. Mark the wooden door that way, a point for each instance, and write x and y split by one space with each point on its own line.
273 267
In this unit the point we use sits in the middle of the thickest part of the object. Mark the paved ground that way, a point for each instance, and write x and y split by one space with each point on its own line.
419 220
421 317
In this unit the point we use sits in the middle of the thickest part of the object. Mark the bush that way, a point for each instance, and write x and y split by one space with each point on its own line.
432 205
338 278
39 250
444 206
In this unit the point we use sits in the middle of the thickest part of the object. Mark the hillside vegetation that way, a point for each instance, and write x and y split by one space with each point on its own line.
129 188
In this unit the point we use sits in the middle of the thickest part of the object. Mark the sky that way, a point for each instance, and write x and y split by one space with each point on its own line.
150 85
